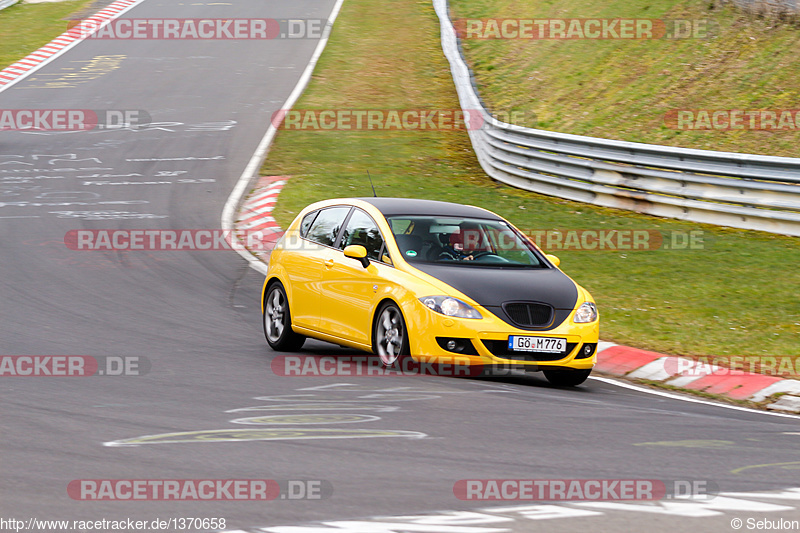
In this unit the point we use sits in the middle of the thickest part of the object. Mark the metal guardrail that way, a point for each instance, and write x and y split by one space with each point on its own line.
739 190
7 3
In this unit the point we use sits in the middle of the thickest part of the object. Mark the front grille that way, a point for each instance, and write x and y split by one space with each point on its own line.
500 349
529 314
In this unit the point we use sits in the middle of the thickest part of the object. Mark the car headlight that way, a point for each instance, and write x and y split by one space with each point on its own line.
449 306
587 312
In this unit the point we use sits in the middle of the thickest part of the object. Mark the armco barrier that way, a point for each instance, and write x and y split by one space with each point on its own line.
739 190
7 3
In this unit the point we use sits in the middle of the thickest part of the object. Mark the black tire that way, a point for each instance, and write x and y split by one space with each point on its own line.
389 335
277 321
566 378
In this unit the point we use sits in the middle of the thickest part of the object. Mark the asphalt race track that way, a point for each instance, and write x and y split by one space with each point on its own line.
193 321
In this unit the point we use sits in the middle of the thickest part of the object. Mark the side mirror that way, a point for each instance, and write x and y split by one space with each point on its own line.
553 259
356 251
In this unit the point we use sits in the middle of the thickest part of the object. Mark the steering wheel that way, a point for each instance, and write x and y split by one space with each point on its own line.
447 256
480 254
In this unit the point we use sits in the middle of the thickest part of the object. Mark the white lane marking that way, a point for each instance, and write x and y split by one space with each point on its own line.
544 512
493 517
789 494
382 527
683 398
229 211
689 508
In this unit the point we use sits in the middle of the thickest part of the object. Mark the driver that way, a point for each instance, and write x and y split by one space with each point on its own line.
462 245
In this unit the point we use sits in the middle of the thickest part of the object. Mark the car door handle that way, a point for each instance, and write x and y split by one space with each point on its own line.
329 263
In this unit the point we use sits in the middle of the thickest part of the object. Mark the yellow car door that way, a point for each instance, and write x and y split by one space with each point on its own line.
304 262
349 290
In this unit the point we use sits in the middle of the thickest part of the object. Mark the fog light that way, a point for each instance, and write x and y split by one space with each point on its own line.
456 345
587 351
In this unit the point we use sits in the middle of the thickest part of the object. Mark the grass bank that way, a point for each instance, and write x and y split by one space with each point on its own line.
624 88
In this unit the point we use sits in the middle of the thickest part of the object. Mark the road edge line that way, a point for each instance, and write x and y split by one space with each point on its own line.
251 170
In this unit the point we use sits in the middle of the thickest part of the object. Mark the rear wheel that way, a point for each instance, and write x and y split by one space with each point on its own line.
389 335
566 378
278 321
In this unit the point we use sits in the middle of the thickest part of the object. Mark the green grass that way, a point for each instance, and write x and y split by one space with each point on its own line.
737 295
24 28
622 89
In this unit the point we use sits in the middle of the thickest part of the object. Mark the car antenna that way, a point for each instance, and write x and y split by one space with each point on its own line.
374 194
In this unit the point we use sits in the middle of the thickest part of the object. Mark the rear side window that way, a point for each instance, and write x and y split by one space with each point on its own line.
327 224
306 223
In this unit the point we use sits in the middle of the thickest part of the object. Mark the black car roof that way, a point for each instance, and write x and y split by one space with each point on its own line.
410 206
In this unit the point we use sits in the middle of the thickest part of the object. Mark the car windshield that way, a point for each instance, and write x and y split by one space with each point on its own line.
462 241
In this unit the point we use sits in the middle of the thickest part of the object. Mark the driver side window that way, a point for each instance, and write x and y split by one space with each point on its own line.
362 230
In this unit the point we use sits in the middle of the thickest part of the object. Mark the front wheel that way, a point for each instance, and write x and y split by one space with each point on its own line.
389 335
278 321
566 378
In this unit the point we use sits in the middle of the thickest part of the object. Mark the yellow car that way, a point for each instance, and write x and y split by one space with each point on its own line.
428 280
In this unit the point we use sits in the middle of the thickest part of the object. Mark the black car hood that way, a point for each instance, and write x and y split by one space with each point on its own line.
491 286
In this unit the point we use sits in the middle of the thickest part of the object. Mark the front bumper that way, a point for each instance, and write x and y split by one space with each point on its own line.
485 341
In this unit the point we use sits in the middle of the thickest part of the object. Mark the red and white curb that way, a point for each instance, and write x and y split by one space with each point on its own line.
698 375
22 68
255 217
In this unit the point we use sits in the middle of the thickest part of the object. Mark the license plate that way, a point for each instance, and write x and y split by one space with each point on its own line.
537 344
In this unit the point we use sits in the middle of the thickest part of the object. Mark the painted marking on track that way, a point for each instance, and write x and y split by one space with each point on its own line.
317 407
364 398
228 435
742 469
690 443
236 435
303 419
187 158
70 78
